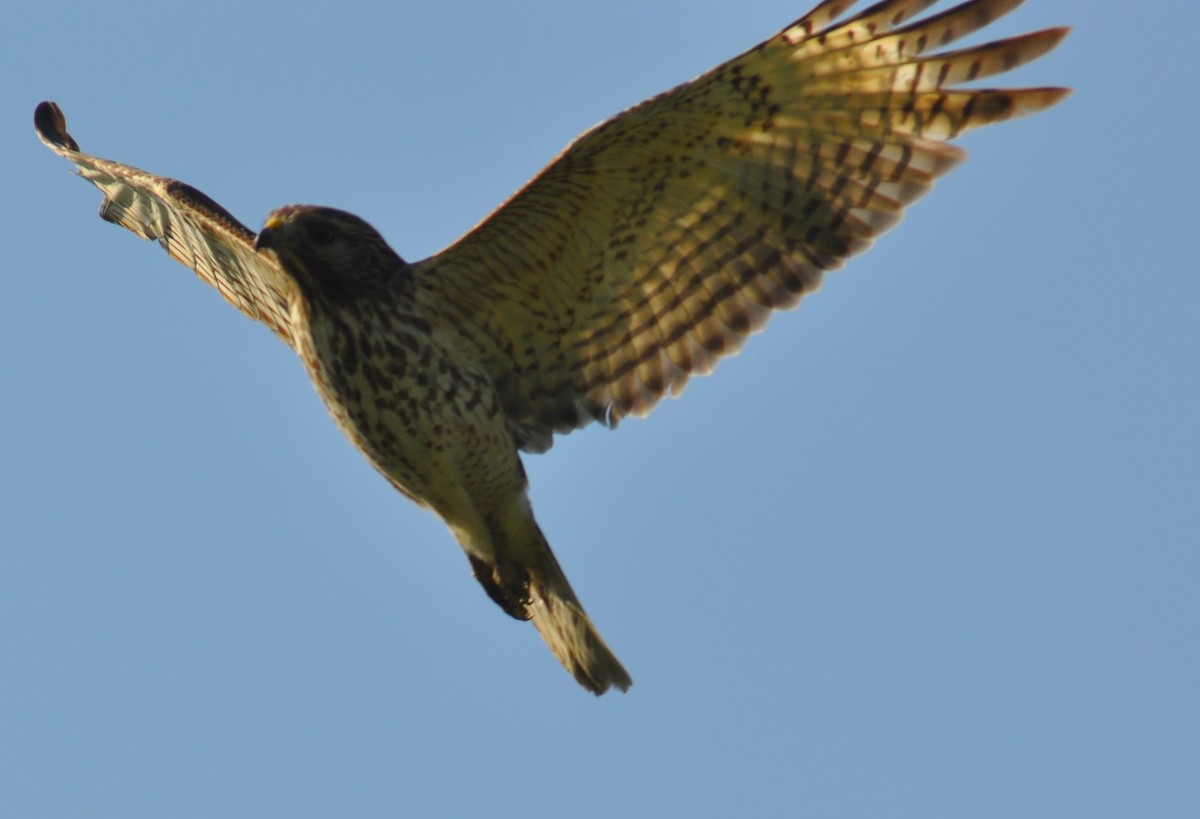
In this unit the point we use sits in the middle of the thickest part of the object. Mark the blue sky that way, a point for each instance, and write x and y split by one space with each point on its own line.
928 547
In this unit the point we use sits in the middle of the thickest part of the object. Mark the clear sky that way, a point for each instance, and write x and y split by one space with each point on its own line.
928 547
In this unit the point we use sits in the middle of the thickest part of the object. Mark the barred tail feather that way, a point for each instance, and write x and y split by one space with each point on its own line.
559 617
523 577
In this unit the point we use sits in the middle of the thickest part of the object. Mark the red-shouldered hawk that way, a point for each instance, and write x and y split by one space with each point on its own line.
652 246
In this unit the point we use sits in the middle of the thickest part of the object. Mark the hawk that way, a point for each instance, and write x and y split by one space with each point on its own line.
647 250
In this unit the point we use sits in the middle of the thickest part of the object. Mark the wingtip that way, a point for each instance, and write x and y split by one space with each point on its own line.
51 126
1058 33
1039 99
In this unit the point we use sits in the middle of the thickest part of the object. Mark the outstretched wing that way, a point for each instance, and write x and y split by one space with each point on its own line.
660 239
193 228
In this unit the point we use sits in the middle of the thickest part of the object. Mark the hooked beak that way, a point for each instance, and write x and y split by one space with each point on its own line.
265 240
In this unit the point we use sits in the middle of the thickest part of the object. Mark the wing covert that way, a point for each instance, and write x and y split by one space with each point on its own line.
660 239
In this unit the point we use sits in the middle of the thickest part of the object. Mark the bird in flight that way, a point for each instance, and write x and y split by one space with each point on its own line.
651 247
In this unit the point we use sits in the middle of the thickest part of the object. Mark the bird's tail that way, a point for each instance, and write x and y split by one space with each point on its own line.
559 617
526 581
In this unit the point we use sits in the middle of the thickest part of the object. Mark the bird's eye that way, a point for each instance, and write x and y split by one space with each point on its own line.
321 233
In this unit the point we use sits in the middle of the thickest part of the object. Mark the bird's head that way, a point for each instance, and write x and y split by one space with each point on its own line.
329 252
